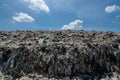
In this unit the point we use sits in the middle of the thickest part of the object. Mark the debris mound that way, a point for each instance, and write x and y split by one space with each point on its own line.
66 54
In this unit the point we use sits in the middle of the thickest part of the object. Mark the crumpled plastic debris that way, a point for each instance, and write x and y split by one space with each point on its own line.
60 54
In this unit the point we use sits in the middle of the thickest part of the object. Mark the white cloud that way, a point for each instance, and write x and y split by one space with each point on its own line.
77 24
38 5
113 8
23 17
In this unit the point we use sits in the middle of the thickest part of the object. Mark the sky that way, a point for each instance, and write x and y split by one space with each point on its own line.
101 15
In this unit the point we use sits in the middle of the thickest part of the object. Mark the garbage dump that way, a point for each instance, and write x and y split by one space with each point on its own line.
64 55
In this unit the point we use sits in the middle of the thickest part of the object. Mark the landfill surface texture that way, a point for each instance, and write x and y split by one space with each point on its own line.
59 55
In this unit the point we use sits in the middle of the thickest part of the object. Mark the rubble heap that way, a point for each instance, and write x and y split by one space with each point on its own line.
57 54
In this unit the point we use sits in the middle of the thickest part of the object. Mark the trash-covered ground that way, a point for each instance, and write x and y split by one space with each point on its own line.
64 55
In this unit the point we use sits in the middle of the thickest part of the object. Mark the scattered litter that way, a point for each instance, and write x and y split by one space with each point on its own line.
64 55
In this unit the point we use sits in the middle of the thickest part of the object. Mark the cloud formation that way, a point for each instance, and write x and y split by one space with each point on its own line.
77 24
23 17
38 5
113 8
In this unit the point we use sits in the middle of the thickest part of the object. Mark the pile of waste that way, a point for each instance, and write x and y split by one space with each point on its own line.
66 54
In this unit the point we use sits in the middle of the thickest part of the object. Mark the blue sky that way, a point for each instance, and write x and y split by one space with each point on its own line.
60 14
